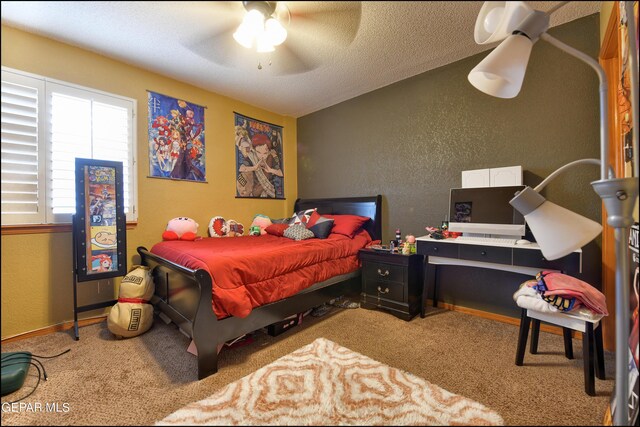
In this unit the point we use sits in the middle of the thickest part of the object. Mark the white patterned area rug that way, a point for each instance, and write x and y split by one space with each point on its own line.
325 384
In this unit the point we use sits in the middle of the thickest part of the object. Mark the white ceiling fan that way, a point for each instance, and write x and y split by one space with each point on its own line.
281 37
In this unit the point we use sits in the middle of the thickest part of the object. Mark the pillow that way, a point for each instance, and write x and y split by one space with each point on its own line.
281 220
301 217
276 229
319 225
298 232
322 229
347 225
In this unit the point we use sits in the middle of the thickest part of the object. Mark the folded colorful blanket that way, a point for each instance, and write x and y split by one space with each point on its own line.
568 293
529 298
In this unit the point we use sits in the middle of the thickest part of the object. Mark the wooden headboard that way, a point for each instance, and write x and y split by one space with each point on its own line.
363 206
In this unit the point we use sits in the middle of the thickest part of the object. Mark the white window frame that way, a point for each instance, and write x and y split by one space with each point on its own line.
45 86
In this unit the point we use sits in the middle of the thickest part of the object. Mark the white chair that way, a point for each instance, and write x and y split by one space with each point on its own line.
593 353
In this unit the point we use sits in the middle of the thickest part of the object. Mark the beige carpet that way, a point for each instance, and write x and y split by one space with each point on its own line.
323 383
142 380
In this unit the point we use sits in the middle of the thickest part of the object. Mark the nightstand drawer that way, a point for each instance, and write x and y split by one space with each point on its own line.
385 290
496 254
534 258
447 250
384 272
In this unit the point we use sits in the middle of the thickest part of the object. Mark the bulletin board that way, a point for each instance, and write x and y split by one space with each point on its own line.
99 225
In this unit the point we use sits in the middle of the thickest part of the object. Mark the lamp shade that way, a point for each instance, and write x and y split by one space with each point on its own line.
501 73
498 19
557 230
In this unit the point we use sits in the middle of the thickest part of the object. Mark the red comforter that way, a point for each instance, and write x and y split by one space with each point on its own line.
251 271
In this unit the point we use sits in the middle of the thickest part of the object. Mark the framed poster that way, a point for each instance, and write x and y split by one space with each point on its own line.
99 225
259 168
176 139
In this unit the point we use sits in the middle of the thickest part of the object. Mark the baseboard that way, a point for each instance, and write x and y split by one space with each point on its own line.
500 318
55 328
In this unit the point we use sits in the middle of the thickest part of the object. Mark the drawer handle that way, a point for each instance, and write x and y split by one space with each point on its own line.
544 259
435 249
385 274
483 253
386 290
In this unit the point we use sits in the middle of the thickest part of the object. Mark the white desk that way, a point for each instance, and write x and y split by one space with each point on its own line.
522 259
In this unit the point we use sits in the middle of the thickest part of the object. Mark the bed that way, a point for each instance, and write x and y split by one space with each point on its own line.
184 294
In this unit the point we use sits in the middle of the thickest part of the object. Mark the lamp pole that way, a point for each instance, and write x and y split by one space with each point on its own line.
500 74
619 196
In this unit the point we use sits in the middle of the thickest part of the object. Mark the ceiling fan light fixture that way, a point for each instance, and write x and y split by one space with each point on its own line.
264 45
254 28
244 36
274 31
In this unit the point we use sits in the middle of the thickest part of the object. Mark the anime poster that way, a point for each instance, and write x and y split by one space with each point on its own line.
99 222
259 168
176 139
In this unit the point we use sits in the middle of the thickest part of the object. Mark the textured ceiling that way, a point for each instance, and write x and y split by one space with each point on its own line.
335 50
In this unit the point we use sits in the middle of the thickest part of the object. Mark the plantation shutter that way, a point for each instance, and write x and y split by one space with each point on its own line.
88 125
46 125
22 156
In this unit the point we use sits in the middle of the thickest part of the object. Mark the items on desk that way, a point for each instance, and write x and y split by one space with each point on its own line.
440 233
398 237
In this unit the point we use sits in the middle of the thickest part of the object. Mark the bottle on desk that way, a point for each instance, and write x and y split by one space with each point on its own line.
398 238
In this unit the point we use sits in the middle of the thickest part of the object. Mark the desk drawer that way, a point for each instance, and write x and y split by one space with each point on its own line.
385 290
496 254
447 250
384 272
534 258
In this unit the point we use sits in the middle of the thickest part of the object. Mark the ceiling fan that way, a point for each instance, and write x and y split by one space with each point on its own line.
292 37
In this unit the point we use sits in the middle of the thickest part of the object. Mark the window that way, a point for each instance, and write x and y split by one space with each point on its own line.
46 124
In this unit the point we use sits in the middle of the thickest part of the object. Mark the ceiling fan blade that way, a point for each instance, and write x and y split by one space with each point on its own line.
335 23
217 46
289 60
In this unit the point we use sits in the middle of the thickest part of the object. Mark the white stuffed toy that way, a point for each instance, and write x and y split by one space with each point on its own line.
133 314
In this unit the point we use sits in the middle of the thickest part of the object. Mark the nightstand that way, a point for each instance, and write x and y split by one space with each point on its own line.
392 282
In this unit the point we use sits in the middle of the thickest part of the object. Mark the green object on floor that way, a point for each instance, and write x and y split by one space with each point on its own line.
15 366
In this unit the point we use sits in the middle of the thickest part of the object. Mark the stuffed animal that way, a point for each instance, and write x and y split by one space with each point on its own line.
234 229
409 244
262 222
220 227
133 315
181 228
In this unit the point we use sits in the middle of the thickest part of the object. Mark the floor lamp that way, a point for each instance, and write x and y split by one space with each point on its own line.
558 230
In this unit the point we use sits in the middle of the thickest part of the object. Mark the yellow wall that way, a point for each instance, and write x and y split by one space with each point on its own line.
37 287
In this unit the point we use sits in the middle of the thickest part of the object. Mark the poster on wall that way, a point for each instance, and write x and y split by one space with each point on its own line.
176 139
634 334
624 91
259 167
99 225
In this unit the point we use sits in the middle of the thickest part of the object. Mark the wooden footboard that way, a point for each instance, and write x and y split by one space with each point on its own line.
185 296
